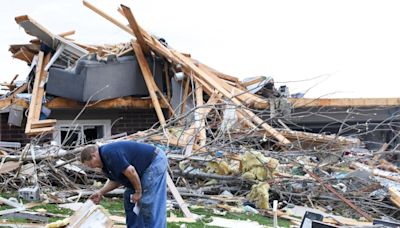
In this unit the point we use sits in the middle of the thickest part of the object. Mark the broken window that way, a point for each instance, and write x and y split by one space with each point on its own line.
71 134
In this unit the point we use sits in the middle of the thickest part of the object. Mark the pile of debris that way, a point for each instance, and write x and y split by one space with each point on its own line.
226 142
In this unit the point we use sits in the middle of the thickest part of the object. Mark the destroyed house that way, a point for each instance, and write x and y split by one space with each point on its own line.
85 92
228 141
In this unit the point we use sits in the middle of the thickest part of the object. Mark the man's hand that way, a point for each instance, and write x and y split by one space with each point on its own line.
136 197
96 197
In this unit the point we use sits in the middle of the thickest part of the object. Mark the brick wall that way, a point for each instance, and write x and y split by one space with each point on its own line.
10 133
124 120
131 121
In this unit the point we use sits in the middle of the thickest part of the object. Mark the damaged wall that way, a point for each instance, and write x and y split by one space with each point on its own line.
122 120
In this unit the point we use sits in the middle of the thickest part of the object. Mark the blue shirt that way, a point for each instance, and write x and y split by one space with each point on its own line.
117 156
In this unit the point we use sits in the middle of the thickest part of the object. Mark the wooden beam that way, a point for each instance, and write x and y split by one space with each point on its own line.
40 89
135 28
216 84
241 94
24 54
43 123
147 75
254 81
35 105
167 82
109 18
185 85
34 94
121 102
344 102
145 49
67 33
4 103
178 198
203 112
394 196
201 137
36 131
221 75
149 39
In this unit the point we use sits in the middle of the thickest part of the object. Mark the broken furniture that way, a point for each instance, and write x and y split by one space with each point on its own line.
92 80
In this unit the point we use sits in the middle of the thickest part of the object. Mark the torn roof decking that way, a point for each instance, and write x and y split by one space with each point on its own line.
33 28
62 103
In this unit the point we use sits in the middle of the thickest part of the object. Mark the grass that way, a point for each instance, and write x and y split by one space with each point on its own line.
208 213
115 207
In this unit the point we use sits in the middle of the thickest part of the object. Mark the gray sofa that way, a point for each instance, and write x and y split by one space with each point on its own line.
96 80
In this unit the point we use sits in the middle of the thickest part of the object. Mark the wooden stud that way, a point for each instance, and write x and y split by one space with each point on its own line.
32 104
24 54
147 77
254 81
178 198
35 105
121 102
36 131
186 84
199 103
344 102
43 123
135 28
145 49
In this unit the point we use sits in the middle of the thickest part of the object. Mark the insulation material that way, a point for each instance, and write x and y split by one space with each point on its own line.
58 223
256 166
221 168
259 195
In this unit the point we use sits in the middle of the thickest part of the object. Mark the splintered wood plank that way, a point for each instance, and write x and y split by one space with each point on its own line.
35 105
34 94
120 102
145 49
236 92
4 103
185 94
36 131
178 197
24 54
167 82
146 72
109 18
221 75
40 89
343 102
254 81
203 112
135 28
201 137
43 123
9 166
149 39
394 196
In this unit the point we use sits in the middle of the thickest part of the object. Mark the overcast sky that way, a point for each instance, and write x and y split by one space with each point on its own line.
321 48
